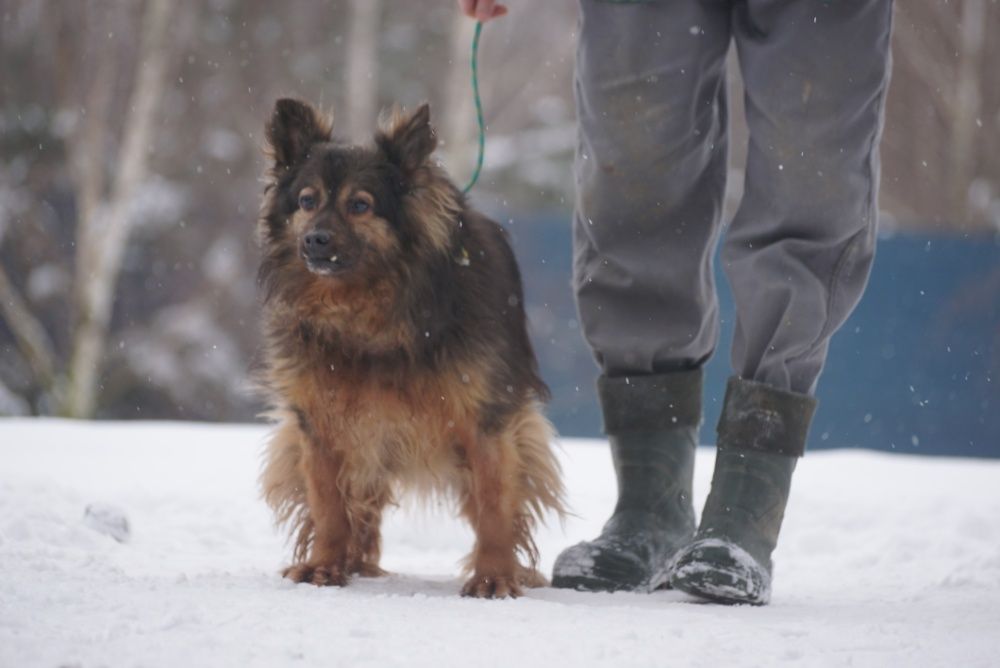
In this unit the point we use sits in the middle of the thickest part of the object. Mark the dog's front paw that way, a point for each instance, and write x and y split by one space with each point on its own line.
492 586
325 575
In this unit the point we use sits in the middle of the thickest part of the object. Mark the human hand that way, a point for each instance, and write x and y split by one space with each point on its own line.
482 10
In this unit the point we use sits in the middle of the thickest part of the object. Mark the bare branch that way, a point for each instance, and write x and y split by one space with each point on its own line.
11 403
29 333
911 50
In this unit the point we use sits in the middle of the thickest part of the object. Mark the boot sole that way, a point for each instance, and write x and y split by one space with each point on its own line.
719 591
583 583
721 572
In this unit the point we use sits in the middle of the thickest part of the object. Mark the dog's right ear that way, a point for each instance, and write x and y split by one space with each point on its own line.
294 126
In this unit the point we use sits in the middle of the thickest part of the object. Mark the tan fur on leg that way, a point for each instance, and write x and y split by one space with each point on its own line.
283 485
493 508
327 560
539 489
515 481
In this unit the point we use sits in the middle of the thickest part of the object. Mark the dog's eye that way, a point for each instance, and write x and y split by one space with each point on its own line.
307 201
358 206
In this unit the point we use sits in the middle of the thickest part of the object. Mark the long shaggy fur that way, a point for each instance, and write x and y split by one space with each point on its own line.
397 356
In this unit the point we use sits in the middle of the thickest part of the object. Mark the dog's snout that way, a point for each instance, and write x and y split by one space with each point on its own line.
321 249
317 241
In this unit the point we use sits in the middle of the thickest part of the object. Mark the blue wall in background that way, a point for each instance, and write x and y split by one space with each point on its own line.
915 369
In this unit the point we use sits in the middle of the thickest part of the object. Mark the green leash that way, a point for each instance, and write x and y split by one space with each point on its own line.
479 108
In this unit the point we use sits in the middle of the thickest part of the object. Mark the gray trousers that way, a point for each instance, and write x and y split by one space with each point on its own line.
651 172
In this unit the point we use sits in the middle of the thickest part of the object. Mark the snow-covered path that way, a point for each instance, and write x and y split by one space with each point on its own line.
884 561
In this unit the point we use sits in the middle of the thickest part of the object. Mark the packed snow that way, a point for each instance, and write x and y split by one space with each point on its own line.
145 544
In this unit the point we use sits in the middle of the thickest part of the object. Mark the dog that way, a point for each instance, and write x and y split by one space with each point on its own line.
396 355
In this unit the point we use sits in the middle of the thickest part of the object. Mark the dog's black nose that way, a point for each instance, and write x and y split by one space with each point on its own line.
317 241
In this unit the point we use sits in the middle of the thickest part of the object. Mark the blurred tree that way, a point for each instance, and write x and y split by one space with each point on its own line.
176 338
362 68
103 225
103 221
942 140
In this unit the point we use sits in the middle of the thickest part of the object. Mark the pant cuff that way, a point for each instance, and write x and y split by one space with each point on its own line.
758 417
650 402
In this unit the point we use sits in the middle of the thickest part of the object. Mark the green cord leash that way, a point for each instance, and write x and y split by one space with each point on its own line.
479 108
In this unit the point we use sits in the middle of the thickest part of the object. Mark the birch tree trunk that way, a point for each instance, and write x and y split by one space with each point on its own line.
362 68
103 231
458 115
971 40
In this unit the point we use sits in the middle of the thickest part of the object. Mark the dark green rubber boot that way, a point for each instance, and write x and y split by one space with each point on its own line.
652 425
762 433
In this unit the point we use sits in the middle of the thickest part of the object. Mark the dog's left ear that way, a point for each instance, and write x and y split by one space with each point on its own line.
293 128
408 139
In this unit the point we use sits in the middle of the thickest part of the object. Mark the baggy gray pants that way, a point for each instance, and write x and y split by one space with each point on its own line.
651 171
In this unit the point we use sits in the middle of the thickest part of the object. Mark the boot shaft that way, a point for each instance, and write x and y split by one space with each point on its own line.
652 424
762 433
746 505
761 418
654 469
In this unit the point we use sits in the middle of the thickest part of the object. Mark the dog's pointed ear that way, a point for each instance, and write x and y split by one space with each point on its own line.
294 126
407 139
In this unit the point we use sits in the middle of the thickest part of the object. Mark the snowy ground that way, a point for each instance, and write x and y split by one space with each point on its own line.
884 560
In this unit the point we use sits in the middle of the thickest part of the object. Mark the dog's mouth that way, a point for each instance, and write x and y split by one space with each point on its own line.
331 265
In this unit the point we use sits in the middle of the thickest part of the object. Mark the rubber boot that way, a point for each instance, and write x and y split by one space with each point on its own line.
652 424
762 433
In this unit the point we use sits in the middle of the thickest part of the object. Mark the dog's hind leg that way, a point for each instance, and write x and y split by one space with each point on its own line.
529 488
365 548
539 489
281 481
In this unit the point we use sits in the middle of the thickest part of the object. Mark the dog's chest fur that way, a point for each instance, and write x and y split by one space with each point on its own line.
402 421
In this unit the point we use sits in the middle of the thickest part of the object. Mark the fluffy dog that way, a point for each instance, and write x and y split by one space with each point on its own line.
397 355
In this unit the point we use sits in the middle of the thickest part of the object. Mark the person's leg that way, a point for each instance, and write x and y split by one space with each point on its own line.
799 249
650 175
650 171
797 256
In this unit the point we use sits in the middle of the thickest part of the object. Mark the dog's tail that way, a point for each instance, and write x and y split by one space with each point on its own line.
282 485
539 478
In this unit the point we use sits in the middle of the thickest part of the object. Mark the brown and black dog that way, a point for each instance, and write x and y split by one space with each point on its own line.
397 355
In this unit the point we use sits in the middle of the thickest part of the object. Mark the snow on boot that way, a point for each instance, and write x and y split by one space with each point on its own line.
652 424
762 434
